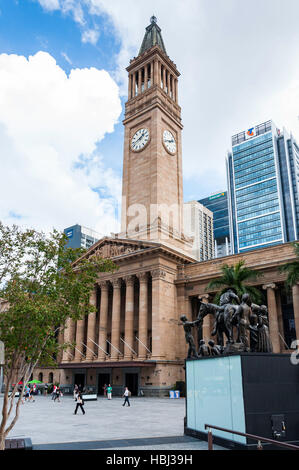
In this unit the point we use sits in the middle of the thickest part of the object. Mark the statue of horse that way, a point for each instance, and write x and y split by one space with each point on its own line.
224 320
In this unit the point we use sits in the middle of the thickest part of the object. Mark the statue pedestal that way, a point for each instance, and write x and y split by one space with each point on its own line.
246 392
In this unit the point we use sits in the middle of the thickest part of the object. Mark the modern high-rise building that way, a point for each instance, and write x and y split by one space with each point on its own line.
198 222
263 181
81 237
218 204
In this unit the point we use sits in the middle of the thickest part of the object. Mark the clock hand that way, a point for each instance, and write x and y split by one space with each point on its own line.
140 137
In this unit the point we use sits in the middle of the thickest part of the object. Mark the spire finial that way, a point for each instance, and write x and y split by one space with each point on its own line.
153 19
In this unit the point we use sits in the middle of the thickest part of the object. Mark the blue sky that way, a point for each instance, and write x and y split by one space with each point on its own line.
63 82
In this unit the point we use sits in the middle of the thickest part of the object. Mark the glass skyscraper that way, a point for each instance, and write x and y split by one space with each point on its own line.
218 204
81 237
263 181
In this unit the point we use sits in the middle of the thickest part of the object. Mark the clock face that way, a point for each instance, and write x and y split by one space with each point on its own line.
169 142
140 139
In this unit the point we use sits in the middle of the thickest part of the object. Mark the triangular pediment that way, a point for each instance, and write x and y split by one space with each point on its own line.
109 247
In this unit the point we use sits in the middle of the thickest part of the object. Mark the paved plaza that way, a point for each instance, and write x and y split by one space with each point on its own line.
149 423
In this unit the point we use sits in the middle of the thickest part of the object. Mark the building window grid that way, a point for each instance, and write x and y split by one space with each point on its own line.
254 164
257 194
258 213
262 185
268 173
257 231
253 153
264 242
260 232
261 220
257 207
257 200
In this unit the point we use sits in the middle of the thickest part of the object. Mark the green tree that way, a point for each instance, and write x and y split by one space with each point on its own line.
292 268
237 276
43 283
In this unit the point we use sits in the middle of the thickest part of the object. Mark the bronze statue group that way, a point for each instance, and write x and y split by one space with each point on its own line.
244 324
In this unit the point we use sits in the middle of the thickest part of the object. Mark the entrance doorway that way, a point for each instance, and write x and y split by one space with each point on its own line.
132 383
80 381
102 380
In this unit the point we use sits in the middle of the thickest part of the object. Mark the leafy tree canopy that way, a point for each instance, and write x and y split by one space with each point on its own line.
237 277
291 269
42 284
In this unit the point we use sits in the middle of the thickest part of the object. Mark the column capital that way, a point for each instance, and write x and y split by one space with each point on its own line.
143 277
116 283
269 286
129 280
158 273
103 285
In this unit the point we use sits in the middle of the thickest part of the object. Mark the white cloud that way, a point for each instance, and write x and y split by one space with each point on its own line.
50 5
91 36
66 57
237 69
50 124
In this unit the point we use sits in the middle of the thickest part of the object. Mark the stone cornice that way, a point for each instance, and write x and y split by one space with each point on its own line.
273 257
146 109
106 364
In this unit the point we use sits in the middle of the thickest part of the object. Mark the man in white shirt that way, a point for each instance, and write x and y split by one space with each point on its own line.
126 395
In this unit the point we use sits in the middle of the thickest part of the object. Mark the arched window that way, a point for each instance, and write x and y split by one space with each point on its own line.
40 376
50 381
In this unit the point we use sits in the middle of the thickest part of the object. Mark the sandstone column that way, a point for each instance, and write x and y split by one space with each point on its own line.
103 321
115 323
68 338
79 340
152 74
139 81
273 316
295 290
156 72
145 77
91 327
130 86
143 314
158 276
129 317
176 90
168 83
164 79
134 85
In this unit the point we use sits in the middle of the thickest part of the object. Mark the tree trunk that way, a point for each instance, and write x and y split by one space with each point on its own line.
2 441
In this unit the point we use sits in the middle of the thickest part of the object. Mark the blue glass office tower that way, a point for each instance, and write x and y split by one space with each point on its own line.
263 180
218 204
81 237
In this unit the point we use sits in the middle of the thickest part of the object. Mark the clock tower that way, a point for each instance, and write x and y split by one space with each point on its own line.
152 194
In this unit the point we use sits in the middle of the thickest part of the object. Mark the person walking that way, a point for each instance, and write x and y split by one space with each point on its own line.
31 399
109 392
27 393
54 392
126 395
57 394
80 402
